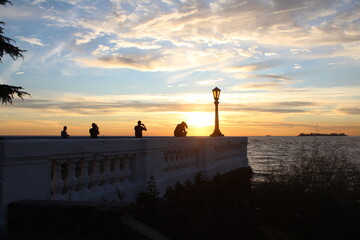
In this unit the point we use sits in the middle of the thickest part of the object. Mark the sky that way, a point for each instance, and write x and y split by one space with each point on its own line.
283 66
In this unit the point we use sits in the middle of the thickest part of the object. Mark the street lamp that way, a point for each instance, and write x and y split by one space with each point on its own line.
216 93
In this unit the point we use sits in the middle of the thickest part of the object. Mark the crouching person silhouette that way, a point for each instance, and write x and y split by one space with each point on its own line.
180 130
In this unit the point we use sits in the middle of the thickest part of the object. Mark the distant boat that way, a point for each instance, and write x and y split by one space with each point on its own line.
322 134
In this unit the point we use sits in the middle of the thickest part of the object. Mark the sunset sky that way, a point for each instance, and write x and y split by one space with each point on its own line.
284 66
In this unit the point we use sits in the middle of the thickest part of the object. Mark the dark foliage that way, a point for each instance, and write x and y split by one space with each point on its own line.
6 91
7 48
291 204
5 43
151 196
314 197
285 213
217 209
3 2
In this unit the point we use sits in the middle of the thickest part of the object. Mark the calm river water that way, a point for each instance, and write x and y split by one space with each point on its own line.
264 152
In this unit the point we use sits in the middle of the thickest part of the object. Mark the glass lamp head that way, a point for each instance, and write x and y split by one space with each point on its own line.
216 92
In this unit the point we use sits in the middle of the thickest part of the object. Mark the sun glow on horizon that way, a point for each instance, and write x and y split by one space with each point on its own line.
199 123
199 119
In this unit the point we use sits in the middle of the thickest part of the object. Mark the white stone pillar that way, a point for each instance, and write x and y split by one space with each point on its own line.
71 181
84 179
96 190
117 174
57 184
109 190
126 171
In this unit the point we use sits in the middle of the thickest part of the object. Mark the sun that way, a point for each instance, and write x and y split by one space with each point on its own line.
199 119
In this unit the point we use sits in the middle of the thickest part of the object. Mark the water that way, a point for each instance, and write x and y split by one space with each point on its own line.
265 152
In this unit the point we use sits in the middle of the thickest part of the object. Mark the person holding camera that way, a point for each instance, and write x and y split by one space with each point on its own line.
139 128
64 133
94 131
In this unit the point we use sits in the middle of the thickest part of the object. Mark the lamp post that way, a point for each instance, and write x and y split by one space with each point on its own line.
216 93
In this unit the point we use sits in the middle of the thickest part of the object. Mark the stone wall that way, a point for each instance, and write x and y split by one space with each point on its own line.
110 169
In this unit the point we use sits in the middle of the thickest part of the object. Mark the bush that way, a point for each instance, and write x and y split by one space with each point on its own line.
315 196
151 196
206 209
319 171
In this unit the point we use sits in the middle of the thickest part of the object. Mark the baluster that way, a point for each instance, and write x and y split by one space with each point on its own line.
166 162
194 158
71 182
117 174
96 190
57 184
167 169
126 171
184 162
106 178
172 164
181 161
84 179
188 159
177 162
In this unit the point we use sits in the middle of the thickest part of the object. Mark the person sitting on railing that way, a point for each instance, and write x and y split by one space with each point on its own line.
64 134
139 128
180 130
94 131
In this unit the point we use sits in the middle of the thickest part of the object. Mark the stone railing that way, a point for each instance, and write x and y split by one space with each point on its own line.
90 178
109 169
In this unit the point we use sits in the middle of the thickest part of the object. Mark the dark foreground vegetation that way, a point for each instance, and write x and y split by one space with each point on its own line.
315 197
218 209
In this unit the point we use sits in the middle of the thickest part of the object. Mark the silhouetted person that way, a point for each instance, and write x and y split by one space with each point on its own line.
94 131
64 134
138 129
180 130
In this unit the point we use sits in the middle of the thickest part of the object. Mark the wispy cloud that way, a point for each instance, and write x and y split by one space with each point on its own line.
261 85
33 41
252 67
350 111
134 28
297 66
211 82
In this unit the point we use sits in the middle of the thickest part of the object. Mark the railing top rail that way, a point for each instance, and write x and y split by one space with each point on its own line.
40 147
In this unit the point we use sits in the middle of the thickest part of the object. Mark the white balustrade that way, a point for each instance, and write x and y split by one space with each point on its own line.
110 169
226 151
181 161
94 184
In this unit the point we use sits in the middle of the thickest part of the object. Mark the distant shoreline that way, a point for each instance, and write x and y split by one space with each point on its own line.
322 134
